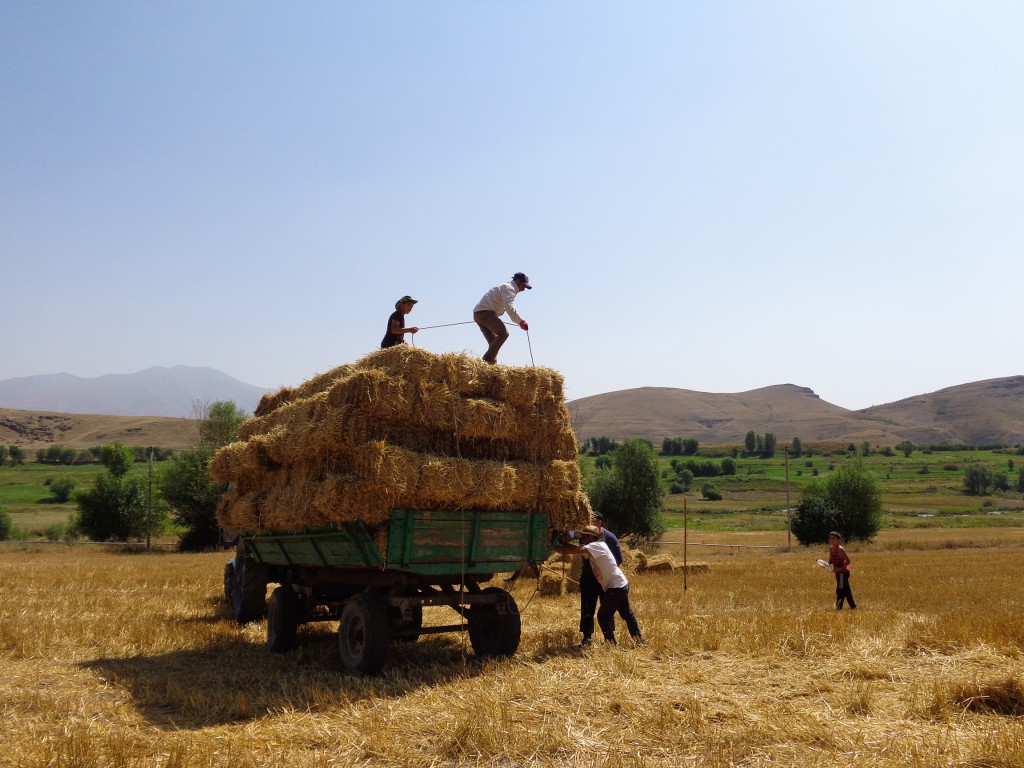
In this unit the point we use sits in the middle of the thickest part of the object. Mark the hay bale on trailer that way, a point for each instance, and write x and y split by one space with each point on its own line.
404 428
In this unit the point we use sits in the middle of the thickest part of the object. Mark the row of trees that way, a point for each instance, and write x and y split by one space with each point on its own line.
763 444
629 492
980 480
13 453
59 454
679 446
122 506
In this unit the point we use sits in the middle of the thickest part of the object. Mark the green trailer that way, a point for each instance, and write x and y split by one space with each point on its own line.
432 558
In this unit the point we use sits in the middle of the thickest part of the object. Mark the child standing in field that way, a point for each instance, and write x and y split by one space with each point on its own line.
840 562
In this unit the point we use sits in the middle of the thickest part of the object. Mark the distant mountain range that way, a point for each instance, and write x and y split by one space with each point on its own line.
981 413
152 392
39 410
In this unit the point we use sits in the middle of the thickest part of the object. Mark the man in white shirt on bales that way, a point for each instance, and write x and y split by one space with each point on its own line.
613 582
496 302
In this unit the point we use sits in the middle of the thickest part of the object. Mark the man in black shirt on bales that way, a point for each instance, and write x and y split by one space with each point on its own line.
396 323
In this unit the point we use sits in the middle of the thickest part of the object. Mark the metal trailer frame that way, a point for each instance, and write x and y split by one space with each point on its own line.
433 558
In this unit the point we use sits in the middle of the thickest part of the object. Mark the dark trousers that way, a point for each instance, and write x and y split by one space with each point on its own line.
494 331
616 600
590 593
843 591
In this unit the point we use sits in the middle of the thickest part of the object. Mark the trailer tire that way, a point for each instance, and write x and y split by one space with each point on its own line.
495 628
249 594
363 634
283 613
229 583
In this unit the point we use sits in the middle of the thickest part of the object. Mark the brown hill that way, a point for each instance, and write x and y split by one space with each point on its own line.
986 412
40 429
981 413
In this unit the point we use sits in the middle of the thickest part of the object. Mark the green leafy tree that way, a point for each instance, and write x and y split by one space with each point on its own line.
797 447
629 493
1001 480
62 488
906 447
3 455
769 443
710 492
1020 480
684 477
728 466
219 422
6 524
849 501
193 495
750 441
759 443
117 458
690 446
978 480
865 448
815 515
114 509
17 455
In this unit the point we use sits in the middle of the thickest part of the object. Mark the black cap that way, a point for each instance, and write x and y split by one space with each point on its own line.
523 278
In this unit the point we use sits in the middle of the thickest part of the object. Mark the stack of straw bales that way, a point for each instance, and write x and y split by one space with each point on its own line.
404 428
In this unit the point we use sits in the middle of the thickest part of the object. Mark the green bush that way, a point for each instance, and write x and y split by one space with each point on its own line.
62 488
710 492
848 501
6 524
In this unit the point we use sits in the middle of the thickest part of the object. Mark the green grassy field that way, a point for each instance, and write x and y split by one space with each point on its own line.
922 491
25 493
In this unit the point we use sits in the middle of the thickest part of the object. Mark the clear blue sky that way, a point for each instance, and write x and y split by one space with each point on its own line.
712 196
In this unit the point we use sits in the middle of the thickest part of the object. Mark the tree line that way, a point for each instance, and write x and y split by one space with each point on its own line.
123 505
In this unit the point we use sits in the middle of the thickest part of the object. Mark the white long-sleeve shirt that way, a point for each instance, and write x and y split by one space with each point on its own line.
499 300
602 563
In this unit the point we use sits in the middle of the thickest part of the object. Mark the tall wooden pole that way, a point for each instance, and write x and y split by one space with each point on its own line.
149 512
789 529
686 527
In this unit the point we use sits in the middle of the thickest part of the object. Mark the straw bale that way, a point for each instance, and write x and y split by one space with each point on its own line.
651 563
550 585
239 512
291 414
406 428
376 393
319 383
575 572
630 559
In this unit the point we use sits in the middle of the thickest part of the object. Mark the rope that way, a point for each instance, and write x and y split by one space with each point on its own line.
446 325
412 336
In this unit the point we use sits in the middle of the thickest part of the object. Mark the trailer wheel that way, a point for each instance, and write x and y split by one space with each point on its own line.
229 583
363 634
495 628
283 611
249 590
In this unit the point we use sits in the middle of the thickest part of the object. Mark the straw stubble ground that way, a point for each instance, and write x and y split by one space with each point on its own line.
130 660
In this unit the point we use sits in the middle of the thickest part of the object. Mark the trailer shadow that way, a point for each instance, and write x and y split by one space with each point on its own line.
235 680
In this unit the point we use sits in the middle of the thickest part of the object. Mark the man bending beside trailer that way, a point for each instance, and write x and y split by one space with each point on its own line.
613 582
590 590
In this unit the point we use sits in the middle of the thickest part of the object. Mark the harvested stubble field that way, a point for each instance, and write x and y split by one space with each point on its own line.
131 660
